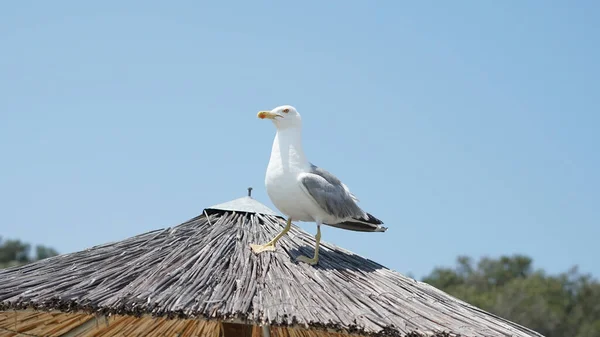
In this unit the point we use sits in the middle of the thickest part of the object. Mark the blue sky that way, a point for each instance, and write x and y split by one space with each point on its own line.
468 127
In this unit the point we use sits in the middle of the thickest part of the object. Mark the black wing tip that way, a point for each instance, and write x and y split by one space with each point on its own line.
359 226
362 224
371 219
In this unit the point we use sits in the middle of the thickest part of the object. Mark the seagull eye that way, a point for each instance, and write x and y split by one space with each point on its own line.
286 110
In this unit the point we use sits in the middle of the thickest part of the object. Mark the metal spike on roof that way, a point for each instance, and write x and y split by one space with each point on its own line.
244 204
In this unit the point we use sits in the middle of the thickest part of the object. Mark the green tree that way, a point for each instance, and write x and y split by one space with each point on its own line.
42 252
15 252
564 305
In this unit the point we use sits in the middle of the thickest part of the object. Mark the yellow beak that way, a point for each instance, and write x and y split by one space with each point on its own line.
267 114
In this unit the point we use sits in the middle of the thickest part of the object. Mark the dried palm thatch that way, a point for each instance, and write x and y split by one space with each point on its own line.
57 324
180 280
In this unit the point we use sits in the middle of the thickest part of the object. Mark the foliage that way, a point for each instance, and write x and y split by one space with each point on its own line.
564 305
15 252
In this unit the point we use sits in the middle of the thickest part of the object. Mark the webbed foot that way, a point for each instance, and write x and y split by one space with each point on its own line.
308 260
268 247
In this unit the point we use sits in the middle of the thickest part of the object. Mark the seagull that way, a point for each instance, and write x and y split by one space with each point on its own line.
305 192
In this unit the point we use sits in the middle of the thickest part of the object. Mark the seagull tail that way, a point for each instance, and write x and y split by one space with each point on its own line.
362 224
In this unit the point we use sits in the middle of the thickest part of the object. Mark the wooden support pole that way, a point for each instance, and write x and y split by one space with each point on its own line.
266 330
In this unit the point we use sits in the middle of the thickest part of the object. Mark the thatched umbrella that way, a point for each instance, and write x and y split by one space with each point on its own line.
200 278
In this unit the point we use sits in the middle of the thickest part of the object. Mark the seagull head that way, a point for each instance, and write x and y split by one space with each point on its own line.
283 117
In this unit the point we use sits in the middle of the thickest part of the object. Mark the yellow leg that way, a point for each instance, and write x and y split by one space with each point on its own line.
315 258
270 246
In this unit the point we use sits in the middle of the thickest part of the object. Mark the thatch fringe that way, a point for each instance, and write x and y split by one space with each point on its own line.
56 324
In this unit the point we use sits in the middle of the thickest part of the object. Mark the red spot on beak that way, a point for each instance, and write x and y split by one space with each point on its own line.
263 114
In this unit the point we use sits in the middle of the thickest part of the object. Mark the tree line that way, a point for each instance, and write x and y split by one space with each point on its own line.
563 305
15 252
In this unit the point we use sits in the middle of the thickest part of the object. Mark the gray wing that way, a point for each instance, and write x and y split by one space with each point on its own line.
331 194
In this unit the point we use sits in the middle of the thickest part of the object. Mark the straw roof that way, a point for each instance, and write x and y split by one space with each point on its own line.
204 271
